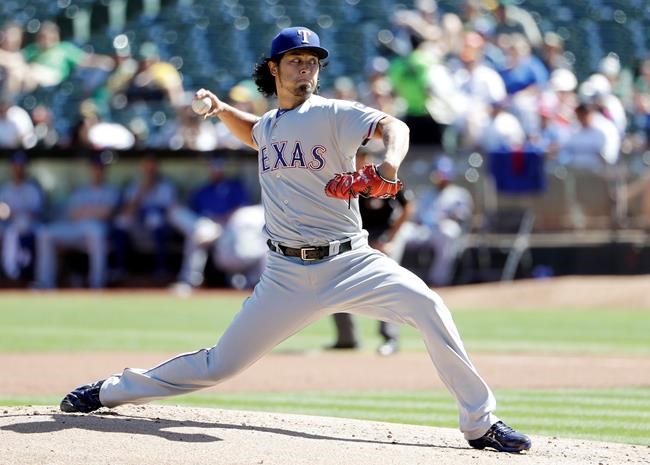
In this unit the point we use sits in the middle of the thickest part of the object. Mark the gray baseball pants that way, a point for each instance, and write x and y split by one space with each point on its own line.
290 296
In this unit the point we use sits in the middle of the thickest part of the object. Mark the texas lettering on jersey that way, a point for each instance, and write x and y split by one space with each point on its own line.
282 154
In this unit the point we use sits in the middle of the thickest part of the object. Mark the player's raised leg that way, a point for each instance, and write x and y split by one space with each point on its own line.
274 312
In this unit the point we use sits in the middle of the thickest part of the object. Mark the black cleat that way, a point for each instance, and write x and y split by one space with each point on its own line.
502 438
343 346
84 399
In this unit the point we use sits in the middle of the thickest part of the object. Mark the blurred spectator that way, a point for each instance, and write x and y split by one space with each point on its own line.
241 250
560 97
46 134
21 208
142 221
480 85
503 132
525 77
522 68
345 89
593 142
377 91
16 76
474 78
426 23
414 26
553 55
620 79
383 219
156 80
210 208
84 226
244 96
16 127
511 19
425 85
91 132
598 90
187 131
552 133
443 214
642 98
112 93
56 60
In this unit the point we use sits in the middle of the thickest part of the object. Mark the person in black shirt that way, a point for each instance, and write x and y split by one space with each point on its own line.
382 218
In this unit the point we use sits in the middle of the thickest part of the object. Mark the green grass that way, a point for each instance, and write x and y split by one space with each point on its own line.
146 322
61 322
613 415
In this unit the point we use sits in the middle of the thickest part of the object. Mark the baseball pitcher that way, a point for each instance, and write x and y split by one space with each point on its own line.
319 261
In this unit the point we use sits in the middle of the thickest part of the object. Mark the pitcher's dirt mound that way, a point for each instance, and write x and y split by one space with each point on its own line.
172 435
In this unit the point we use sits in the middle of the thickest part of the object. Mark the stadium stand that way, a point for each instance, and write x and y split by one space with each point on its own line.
213 44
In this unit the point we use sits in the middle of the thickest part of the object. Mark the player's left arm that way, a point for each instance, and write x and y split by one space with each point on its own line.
395 135
380 181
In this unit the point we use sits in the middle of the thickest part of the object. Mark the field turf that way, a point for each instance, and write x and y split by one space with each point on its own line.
140 322
145 322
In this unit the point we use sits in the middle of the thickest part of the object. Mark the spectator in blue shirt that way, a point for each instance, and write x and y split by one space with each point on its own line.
210 207
21 208
523 69
143 218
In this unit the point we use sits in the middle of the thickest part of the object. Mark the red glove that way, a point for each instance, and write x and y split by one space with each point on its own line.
366 182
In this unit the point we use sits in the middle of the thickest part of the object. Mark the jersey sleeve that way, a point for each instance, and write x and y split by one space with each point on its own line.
256 131
355 124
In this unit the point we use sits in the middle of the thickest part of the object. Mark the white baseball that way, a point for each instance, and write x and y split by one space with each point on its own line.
201 106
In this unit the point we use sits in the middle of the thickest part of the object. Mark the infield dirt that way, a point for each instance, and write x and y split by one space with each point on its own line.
171 435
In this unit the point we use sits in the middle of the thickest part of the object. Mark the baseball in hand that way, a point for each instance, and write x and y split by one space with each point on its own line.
201 106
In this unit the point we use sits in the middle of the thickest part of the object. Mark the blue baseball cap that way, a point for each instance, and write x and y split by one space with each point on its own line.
294 38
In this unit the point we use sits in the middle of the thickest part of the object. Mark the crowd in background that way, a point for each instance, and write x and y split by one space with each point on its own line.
115 228
486 80
489 74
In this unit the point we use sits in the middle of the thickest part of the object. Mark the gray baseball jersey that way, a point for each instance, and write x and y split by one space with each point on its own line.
299 151
25 202
89 235
24 199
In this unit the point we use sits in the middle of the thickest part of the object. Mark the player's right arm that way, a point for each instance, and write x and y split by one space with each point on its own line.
240 123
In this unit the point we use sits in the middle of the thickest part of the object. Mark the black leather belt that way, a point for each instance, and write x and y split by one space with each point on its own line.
309 253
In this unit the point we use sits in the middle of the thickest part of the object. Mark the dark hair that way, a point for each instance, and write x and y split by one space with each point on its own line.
265 81
263 78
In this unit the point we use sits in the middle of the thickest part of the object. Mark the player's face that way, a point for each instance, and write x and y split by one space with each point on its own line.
297 74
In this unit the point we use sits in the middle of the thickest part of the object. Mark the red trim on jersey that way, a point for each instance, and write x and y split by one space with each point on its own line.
372 128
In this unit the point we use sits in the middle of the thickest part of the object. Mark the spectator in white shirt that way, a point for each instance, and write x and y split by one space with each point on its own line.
503 133
479 85
16 127
593 142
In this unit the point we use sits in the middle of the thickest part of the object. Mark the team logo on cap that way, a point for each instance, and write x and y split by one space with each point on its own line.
304 35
